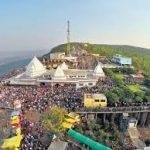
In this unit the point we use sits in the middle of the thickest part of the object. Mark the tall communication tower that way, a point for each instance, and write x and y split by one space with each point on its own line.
68 37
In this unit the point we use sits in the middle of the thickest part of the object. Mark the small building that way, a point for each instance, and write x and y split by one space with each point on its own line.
137 78
71 58
94 100
57 55
121 60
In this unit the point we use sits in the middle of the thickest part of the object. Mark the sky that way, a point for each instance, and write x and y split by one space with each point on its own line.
28 25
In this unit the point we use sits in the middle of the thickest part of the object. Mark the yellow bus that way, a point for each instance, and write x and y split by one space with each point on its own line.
94 100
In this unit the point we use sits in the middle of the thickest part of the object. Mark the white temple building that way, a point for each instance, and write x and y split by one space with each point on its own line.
36 74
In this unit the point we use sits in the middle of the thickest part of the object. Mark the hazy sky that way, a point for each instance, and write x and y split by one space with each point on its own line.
41 24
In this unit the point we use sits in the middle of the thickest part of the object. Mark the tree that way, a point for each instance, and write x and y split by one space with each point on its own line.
147 95
128 94
108 72
53 118
139 96
112 97
118 80
147 82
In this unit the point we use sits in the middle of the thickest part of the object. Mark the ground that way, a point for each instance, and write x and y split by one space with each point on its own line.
144 133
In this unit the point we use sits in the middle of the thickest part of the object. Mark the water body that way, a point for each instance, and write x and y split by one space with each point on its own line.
5 68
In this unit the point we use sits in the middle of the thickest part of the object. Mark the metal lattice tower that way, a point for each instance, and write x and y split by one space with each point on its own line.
68 37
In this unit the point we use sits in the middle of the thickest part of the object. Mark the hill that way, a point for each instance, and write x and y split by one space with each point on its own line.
140 56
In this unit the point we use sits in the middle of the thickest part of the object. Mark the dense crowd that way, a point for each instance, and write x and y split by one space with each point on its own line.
35 137
11 74
40 98
101 86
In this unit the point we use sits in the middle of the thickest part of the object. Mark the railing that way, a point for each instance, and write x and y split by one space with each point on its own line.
130 109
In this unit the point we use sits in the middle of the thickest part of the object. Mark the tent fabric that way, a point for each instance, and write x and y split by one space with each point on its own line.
98 70
12 143
35 68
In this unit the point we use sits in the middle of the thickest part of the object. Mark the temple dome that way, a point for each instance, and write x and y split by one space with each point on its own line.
98 70
35 68
59 73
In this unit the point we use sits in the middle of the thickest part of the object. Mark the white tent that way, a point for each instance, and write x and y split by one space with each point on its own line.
64 66
35 68
59 74
98 71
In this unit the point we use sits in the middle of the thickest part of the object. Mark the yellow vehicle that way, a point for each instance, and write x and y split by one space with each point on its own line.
94 100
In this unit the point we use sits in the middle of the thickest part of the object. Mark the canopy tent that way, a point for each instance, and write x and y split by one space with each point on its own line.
12 143
35 68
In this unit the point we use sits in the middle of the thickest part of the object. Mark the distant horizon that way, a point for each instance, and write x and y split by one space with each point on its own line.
51 47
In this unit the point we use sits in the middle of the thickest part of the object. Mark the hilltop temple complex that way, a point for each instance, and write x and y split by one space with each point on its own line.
37 74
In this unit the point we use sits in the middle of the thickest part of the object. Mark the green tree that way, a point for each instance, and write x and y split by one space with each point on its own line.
53 118
112 97
139 96
128 94
147 81
118 80
147 95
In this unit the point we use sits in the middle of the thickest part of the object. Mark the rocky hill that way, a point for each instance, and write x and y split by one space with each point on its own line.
140 56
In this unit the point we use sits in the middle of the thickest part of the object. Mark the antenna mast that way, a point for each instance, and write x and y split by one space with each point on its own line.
68 37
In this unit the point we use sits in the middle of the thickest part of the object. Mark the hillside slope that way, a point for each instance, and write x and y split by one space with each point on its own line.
140 56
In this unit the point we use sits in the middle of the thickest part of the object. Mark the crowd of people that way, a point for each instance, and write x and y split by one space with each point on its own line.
11 74
101 86
35 136
40 98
